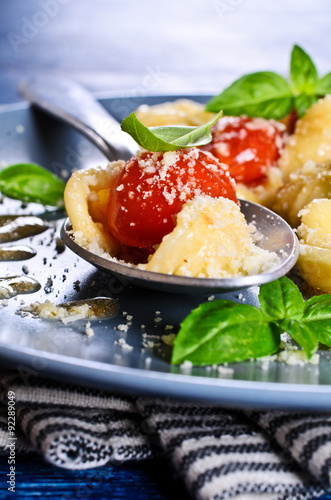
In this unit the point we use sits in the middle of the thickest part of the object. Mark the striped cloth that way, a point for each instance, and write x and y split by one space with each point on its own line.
219 453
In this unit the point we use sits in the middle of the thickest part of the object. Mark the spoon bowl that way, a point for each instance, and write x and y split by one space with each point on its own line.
277 236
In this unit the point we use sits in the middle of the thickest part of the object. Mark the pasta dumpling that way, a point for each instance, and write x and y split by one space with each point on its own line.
312 181
311 139
314 233
179 112
85 199
211 239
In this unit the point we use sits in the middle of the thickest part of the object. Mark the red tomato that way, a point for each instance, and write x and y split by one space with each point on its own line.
249 146
152 188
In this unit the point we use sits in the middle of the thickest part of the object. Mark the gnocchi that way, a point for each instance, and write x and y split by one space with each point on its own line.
211 239
315 244
179 112
312 181
311 139
85 202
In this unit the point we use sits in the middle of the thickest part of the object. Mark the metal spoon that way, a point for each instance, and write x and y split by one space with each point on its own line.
71 103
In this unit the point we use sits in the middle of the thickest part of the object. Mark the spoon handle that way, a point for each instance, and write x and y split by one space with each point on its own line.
71 103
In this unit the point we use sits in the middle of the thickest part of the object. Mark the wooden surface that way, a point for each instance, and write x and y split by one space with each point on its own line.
139 48
145 481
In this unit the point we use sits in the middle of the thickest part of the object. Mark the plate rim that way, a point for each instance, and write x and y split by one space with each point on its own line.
284 396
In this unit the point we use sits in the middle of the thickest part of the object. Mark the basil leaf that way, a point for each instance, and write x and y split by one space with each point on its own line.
170 138
32 183
281 299
303 72
301 334
303 102
264 94
323 85
317 316
223 331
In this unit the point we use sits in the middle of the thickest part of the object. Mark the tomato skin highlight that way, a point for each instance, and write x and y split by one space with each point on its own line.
152 188
249 146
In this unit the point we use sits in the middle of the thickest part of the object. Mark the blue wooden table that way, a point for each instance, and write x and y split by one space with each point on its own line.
37 479
138 48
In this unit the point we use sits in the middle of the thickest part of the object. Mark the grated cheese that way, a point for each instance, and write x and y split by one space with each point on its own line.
211 239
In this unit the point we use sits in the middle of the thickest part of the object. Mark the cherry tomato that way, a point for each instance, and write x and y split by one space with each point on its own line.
249 146
152 188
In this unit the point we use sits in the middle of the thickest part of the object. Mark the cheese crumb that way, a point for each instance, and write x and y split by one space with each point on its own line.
71 319
296 357
186 366
124 345
49 310
169 339
225 370
122 328
148 362
88 330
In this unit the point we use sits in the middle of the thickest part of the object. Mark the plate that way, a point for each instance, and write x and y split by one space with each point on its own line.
127 352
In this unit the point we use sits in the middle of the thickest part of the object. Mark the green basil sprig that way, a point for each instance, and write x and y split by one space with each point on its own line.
30 182
223 331
269 95
168 138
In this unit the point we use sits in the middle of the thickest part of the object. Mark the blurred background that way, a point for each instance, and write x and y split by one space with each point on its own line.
137 48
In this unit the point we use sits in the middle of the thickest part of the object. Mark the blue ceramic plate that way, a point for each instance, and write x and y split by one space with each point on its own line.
139 364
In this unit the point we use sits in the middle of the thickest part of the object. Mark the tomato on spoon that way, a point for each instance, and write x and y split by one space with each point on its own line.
152 188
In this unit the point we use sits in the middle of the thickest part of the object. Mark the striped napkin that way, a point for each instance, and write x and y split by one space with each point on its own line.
219 453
